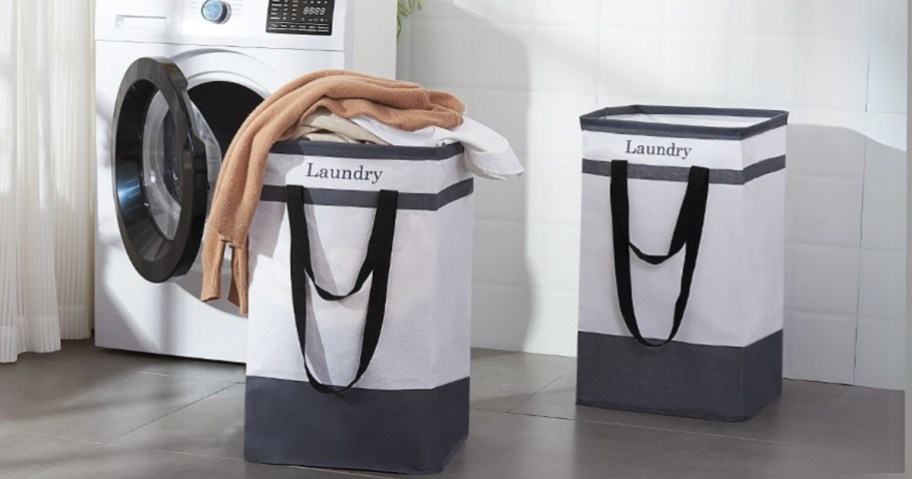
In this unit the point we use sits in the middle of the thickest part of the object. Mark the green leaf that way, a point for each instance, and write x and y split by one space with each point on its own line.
406 8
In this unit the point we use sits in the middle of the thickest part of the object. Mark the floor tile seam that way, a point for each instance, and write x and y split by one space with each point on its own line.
663 429
55 467
707 434
543 416
519 373
527 398
182 453
238 459
197 378
76 457
153 373
62 368
484 409
59 366
843 396
106 367
340 472
70 362
169 451
38 435
817 425
40 359
175 451
778 470
111 442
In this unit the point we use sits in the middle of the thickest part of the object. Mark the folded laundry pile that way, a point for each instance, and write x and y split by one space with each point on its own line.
324 125
488 154
340 106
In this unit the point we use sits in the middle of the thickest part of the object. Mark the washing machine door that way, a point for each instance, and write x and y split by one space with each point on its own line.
164 158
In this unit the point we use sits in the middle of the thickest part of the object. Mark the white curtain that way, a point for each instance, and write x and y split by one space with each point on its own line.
46 174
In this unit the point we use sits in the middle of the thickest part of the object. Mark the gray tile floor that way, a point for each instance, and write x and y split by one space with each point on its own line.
91 413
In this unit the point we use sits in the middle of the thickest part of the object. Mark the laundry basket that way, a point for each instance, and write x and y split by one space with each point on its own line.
682 260
361 256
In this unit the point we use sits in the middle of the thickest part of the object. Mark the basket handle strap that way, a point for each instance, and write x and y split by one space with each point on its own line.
688 233
376 263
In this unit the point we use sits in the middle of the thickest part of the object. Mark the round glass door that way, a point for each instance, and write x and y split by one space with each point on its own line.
165 157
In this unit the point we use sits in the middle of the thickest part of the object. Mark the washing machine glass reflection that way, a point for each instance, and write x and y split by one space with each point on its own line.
161 168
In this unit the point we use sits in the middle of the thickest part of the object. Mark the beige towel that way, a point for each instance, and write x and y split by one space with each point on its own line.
403 105
324 125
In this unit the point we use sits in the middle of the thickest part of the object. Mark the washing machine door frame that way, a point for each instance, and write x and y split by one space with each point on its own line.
156 256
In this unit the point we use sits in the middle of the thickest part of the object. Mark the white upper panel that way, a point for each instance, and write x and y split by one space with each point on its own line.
181 22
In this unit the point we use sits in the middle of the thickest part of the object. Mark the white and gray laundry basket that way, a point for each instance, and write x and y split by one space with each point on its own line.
386 386
682 260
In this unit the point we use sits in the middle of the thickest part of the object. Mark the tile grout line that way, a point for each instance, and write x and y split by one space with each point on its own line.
111 442
224 458
660 429
50 361
187 454
172 451
819 424
58 438
341 472
78 456
510 411
164 375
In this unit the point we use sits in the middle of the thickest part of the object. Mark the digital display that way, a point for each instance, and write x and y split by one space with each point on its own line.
302 17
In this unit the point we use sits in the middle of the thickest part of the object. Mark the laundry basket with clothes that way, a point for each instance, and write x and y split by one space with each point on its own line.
347 203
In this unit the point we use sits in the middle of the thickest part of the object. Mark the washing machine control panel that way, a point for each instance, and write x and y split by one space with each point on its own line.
302 17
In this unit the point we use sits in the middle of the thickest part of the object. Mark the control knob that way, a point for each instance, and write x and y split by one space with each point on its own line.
216 11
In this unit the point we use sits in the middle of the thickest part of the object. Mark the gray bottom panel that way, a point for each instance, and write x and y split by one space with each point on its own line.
710 382
409 432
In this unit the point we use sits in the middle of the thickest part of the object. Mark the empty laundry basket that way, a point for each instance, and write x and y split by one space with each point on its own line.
682 260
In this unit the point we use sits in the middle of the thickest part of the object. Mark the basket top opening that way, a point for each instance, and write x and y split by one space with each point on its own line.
694 120
684 122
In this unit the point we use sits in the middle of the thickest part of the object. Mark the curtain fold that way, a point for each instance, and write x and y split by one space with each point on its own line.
46 171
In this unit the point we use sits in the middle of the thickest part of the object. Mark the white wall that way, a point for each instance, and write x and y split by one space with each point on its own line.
529 68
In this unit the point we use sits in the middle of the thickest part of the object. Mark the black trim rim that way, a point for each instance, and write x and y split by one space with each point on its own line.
368 151
156 257
601 121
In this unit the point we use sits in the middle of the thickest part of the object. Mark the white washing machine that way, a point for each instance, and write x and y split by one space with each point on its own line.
175 79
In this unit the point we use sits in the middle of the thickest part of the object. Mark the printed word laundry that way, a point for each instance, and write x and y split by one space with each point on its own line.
658 150
357 174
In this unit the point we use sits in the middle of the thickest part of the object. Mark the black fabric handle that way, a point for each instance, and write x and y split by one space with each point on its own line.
690 216
687 234
376 262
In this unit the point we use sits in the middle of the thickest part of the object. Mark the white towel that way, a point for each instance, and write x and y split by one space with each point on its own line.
488 154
